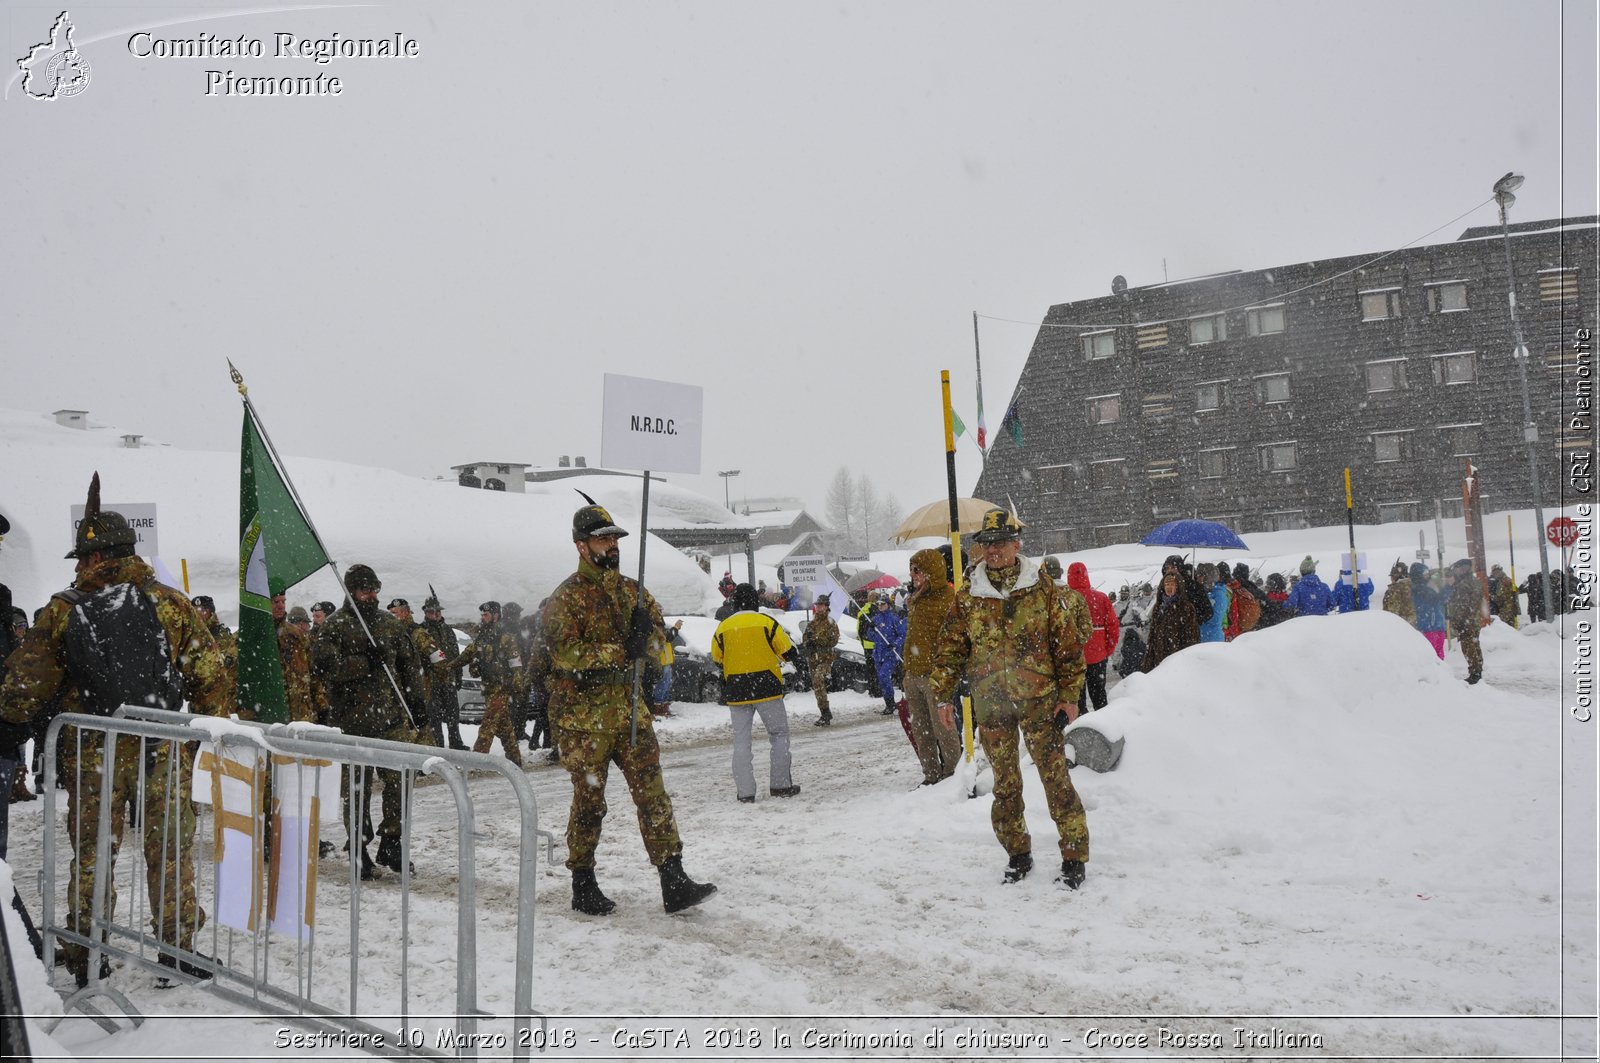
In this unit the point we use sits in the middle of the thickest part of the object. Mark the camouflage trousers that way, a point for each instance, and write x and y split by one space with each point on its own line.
587 756
497 723
393 812
1036 722
166 817
819 667
1467 635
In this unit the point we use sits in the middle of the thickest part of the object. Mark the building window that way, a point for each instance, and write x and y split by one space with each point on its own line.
1163 471
1558 285
1458 368
1150 338
1052 479
503 470
1273 388
1264 320
1105 409
1390 512
1112 534
1447 298
1386 376
1450 508
1279 457
1208 329
1379 305
1099 345
1214 463
1209 396
1463 439
1287 520
1111 473
1391 446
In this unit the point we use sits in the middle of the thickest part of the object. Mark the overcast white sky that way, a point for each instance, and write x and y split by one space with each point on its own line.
797 206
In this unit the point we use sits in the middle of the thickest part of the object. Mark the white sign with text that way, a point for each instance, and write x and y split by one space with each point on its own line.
141 518
650 425
799 568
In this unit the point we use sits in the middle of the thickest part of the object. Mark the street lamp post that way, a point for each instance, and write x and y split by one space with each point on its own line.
728 474
1530 432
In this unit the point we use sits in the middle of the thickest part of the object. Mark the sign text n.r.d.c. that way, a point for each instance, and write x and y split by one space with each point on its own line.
665 426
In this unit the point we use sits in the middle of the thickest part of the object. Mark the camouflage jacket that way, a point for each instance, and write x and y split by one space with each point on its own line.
1077 608
1015 646
443 637
37 680
821 638
1465 606
494 655
227 644
294 651
590 679
428 656
361 700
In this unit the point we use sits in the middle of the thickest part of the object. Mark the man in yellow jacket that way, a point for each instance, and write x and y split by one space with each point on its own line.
751 648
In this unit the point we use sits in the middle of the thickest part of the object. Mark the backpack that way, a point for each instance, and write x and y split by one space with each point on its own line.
118 652
1249 608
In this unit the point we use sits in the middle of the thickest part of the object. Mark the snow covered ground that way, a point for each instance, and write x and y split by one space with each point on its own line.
1317 831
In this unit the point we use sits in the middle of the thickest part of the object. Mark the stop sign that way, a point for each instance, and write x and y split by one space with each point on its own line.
1563 531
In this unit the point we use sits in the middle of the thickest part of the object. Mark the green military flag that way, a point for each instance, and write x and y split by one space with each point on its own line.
277 549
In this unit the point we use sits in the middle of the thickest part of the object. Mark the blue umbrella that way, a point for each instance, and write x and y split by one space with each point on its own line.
1192 532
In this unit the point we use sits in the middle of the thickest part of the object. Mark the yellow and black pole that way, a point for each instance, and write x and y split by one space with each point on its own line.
956 568
1350 524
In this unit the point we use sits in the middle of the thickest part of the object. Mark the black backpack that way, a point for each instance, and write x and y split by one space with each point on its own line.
117 651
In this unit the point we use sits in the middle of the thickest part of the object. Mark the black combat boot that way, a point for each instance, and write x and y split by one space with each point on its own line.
389 855
1473 677
824 720
1018 868
586 895
368 870
678 890
1072 874
80 969
183 967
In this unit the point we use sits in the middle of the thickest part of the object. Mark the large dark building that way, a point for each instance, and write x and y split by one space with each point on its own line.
1242 397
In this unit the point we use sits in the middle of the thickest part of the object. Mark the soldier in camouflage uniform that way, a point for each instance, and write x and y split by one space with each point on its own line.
817 645
1464 611
294 653
597 625
431 659
41 681
361 675
1010 634
227 642
495 656
445 679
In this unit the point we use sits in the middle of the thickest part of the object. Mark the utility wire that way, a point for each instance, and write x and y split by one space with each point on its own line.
1102 326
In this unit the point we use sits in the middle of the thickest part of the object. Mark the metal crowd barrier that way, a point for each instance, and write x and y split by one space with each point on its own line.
292 980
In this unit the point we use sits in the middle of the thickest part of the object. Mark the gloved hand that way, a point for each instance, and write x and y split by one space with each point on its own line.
375 659
638 640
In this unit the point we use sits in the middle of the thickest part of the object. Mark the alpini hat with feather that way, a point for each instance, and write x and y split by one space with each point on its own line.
998 527
101 530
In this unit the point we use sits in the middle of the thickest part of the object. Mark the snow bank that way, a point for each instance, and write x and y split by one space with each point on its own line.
470 545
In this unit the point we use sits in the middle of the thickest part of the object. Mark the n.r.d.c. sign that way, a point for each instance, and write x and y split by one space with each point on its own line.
1563 531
